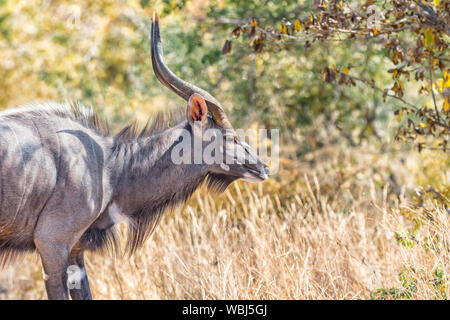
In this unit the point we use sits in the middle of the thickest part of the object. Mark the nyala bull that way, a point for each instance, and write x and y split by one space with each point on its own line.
65 181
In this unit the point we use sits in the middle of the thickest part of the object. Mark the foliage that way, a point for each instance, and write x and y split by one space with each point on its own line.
94 51
408 288
97 52
414 36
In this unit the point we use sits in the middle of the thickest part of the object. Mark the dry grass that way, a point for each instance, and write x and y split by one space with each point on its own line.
328 227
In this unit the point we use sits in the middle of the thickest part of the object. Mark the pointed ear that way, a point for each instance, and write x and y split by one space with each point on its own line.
197 109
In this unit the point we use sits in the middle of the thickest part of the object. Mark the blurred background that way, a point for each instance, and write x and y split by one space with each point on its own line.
98 53
351 214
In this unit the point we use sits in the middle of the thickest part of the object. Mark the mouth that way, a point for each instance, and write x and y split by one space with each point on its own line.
254 175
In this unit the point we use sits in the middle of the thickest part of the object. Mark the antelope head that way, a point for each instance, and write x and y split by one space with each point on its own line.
204 110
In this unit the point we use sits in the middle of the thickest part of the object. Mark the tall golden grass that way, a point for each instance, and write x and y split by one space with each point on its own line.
340 224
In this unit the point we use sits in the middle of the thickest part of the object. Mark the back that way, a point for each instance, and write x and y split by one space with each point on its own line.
50 156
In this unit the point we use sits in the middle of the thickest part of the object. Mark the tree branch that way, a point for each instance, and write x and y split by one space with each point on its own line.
430 68
428 14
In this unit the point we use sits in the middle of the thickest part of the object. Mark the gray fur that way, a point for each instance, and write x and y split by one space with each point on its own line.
61 171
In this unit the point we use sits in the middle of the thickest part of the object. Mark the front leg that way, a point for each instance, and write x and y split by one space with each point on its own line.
79 287
55 240
55 260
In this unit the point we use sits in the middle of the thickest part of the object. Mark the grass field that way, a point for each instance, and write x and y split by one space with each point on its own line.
336 224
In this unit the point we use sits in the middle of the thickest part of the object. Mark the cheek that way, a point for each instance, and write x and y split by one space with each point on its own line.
240 154
235 154
229 150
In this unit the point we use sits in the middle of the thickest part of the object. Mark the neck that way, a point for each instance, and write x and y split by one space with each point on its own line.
146 181
146 174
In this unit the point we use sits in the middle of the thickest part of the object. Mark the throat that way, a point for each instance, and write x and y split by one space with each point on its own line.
147 182
144 202
150 179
